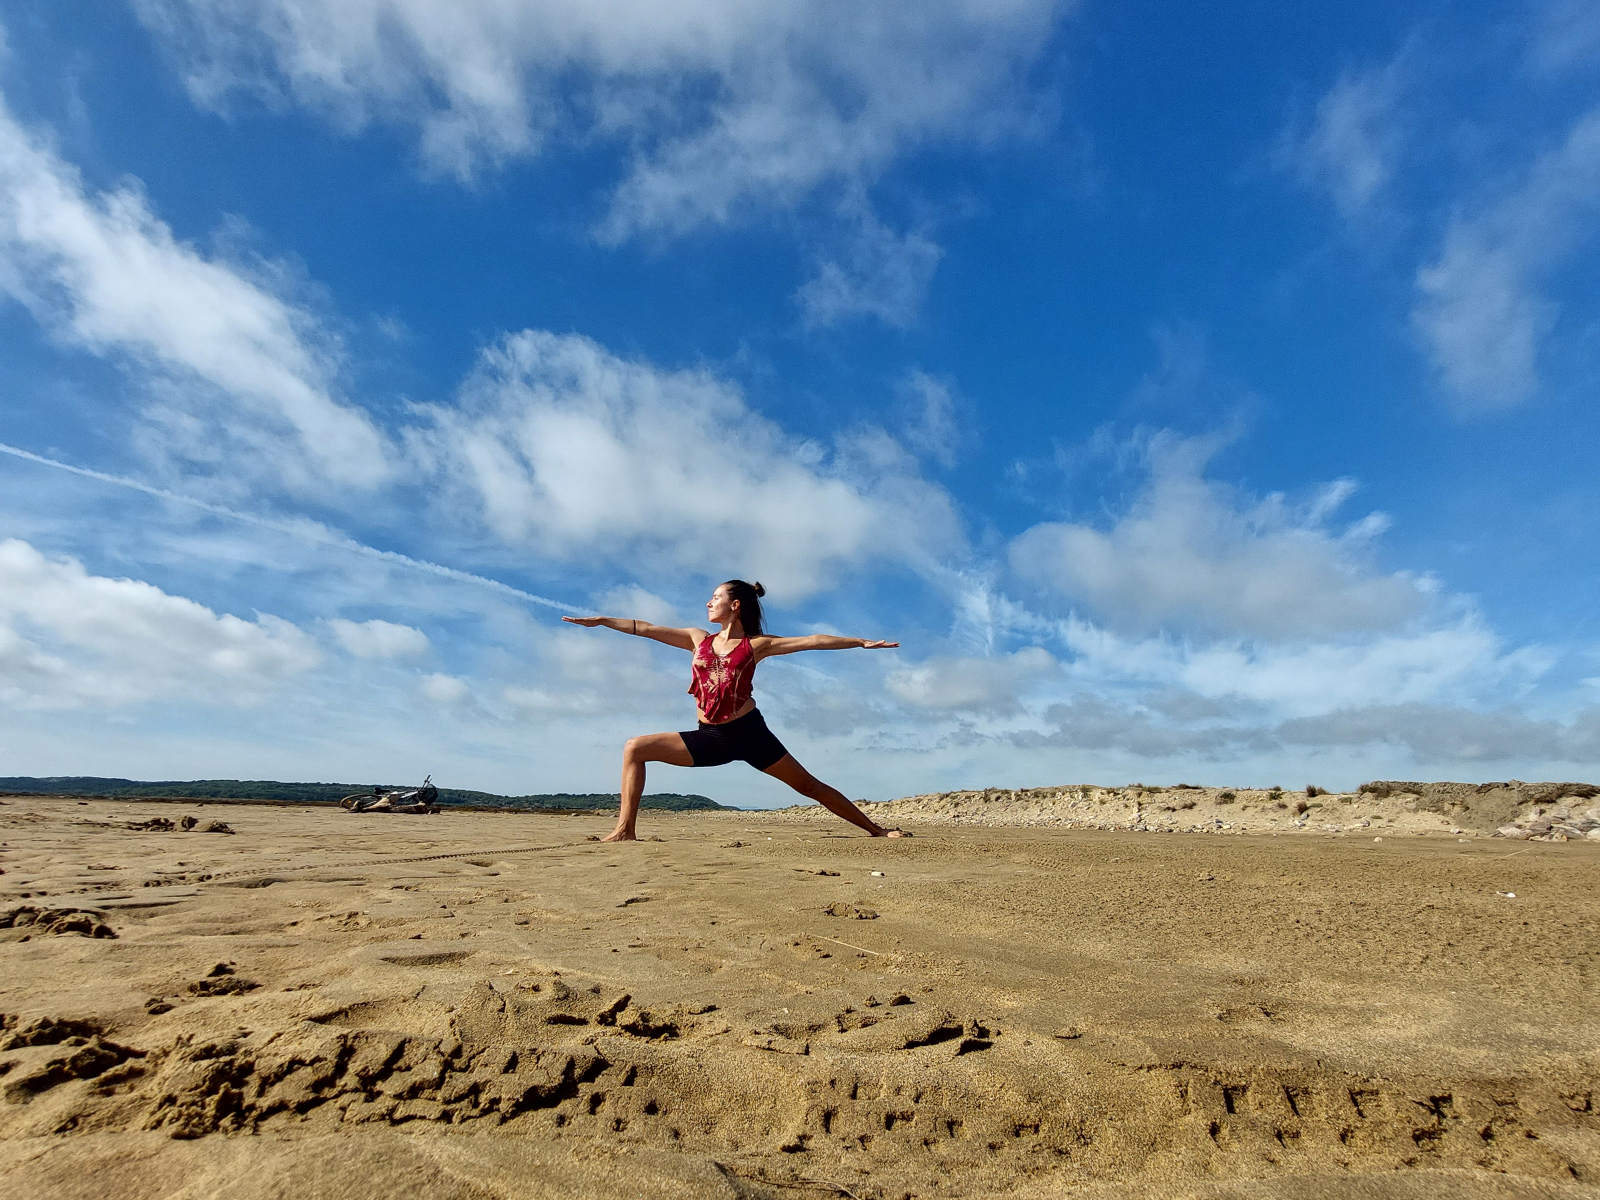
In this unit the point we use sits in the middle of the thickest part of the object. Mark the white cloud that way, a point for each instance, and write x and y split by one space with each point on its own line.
564 448
988 685
445 689
236 370
1481 311
1195 555
1315 677
69 639
1353 142
1461 662
379 639
720 103
875 272
631 600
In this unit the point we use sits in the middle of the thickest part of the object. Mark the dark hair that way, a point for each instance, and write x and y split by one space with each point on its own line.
749 597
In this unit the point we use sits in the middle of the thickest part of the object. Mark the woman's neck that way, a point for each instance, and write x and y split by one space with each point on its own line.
733 631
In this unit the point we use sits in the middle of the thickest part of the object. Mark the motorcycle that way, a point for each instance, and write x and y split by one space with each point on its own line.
422 799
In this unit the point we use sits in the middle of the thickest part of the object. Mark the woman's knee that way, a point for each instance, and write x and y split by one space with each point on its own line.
633 750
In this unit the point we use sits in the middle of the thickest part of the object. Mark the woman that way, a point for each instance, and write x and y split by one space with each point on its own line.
731 727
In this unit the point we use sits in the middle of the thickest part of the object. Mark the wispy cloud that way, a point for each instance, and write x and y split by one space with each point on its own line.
931 418
1350 147
1565 36
873 272
1448 733
301 529
1482 311
230 368
721 104
992 685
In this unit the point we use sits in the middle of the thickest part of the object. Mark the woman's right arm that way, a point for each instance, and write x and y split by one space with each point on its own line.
683 639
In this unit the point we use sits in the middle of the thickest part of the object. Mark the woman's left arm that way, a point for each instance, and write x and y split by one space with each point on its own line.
767 647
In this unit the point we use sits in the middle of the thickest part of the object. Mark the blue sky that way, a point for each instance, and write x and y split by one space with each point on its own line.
1200 396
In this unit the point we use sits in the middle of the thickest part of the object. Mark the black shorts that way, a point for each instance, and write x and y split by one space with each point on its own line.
745 739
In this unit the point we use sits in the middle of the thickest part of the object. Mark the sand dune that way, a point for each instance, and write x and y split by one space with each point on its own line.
1545 811
753 1005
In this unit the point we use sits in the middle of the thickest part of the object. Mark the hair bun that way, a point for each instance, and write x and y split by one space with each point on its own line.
760 591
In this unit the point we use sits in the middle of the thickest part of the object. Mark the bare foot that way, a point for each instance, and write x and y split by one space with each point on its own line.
621 835
892 833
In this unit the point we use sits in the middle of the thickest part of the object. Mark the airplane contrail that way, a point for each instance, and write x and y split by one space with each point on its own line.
312 532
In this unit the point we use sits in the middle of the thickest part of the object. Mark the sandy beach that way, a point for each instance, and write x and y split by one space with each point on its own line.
761 1006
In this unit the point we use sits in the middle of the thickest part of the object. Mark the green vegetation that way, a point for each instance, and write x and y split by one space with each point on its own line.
272 791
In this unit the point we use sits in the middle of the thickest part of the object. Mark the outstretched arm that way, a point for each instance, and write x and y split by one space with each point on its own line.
683 639
766 647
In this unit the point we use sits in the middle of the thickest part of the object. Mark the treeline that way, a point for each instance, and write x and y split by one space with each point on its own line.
274 791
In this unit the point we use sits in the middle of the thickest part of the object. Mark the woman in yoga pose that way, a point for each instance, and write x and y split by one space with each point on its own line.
731 727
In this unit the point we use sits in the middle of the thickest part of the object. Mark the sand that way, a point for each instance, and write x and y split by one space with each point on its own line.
491 1005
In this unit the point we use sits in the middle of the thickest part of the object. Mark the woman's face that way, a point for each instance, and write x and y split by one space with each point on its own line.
719 608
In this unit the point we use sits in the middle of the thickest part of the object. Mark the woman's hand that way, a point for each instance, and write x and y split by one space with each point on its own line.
865 645
586 622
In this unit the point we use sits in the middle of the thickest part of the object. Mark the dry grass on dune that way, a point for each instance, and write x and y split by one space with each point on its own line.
1547 811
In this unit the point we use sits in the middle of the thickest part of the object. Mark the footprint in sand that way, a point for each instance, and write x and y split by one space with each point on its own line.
222 981
854 911
34 921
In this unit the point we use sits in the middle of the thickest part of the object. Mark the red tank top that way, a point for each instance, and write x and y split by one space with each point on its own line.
722 683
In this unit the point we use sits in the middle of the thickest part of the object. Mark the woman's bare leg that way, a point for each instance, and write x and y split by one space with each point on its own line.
812 788
651 747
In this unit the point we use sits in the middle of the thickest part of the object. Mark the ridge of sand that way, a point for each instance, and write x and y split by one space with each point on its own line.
483 1005
1512 809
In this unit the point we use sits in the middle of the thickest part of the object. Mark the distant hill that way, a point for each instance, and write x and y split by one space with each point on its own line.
319 793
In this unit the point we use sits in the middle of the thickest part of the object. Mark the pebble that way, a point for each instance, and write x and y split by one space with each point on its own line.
1377 839
878 874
